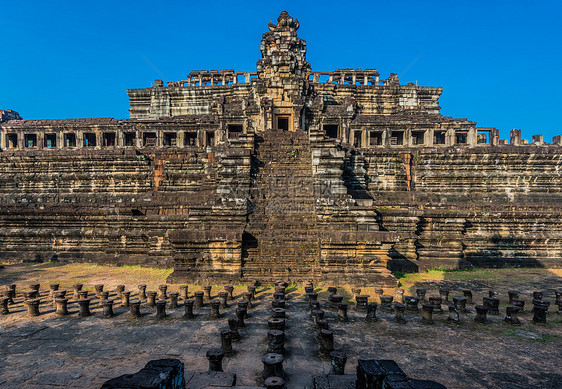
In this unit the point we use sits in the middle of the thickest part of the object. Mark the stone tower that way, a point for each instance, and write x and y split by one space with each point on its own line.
284 70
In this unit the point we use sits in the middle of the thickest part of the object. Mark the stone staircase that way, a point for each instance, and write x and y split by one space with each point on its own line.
281 238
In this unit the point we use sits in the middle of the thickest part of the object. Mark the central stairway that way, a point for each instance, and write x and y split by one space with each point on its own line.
281 238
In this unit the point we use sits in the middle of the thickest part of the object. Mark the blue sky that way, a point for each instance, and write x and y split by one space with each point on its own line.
498 61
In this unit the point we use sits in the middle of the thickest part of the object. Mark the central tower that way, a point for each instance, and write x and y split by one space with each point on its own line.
284 72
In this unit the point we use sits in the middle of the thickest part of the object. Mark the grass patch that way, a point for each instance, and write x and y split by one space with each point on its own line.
145 271
46 265
291 288
473 274
400 274
134 322
453 275
546 338
409 280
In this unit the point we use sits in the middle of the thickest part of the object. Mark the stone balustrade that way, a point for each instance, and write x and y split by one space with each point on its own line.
188 132
348 77
202 78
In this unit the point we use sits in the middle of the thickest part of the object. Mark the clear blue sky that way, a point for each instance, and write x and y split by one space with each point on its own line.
498 61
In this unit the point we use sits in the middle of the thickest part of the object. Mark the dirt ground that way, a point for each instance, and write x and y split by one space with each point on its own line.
49 351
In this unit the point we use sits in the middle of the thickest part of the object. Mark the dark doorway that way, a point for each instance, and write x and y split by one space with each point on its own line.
331 130
149 139
461 137
190 139
418 137
283 123
357 139
210 139
130 138
89 139
375 138
70 140
50 140
30 140
439 137
12 141
397 138
108 139
234 131
170 138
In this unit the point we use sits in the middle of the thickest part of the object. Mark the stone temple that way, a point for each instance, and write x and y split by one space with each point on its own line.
281 173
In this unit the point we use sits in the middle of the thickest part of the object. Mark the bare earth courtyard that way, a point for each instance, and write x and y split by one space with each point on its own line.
50 351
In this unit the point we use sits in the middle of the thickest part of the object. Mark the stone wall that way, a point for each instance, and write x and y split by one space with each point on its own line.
114 206
502 174
456 236
463 207
439 207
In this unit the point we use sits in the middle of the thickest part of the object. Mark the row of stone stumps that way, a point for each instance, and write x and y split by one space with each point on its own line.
60 299
456 307
324 336
215 356
402 304
371 374
273 374
215 376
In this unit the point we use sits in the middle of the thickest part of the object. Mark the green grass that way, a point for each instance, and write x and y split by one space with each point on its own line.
400 274
546 338
474 274
154 272
449 274
409 280
134 322
291 288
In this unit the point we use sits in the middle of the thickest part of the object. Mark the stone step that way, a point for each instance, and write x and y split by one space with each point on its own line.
272 238
279 163
289 212
266 199
294 175
277 149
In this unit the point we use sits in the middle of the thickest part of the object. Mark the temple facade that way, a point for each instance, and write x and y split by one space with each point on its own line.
279 173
